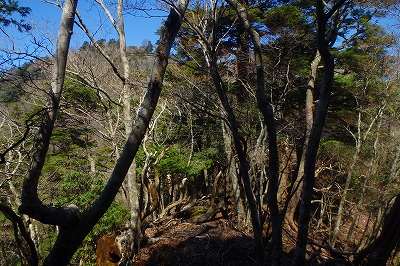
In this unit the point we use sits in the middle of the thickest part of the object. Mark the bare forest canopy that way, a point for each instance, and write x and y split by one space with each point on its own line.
251 133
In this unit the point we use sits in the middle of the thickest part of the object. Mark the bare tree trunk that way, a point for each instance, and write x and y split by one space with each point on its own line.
295 194
133 192
31 204
359 139
371 169
152 202
132 186
73 226
240 210
268 115
284 176
316 131
394 171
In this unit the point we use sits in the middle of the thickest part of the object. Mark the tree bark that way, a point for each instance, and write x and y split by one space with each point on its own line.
240 210
295 195
316 131
74 228
379 251
133 192
268 115
31 204
17 221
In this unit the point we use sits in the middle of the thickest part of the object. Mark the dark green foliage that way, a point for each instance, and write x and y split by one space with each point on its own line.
72 186
285 16
188 126
9 93
337 151
175 161
78 93
71 139
8 8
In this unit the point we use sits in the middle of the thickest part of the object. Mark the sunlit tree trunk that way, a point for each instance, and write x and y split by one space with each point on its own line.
132 186
240 210
295 194
31 204
316 131
75 226
268 115
359 138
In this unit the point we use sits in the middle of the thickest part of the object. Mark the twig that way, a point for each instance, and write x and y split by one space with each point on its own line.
15 219
28 125
222 257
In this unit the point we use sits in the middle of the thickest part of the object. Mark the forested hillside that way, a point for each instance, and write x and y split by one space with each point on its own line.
251 133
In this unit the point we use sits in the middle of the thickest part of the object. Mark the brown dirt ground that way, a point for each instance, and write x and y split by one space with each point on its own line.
219 242
209 243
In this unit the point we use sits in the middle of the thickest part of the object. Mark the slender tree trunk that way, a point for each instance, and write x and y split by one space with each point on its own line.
379 251
31 204
240 210
316 131
339 216
239 143
18 224
394 171
371 169
242 61
132 186
133 192
268 115
240 147
284 176
295 194
359 139
73 226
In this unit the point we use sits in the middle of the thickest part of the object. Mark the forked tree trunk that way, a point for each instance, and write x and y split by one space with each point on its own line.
316 131
73 226
295 194
267 112
30 202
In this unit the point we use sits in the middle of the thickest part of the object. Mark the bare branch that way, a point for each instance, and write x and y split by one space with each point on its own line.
14 218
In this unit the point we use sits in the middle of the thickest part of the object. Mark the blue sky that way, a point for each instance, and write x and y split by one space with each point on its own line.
138 26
